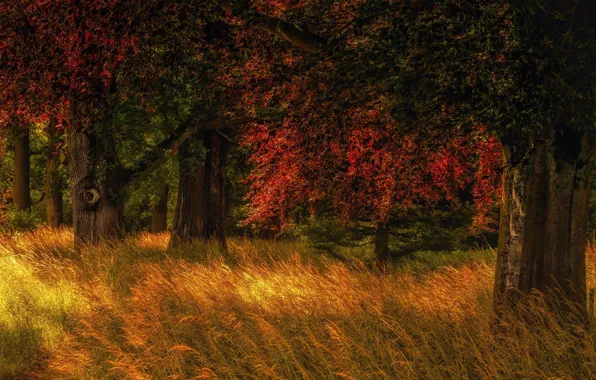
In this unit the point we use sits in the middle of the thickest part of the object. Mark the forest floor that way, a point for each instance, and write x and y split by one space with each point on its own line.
135 310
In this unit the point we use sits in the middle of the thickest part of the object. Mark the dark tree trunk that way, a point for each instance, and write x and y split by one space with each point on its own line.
159 213
544 216
96 182
53 182
382 242
20 185
214 188
201 206
189 214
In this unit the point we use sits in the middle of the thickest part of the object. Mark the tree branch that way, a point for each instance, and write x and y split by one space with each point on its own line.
280 28
291 33
170 145
226 137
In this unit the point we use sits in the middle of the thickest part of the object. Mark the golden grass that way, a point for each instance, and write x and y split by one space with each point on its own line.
269 310
37 302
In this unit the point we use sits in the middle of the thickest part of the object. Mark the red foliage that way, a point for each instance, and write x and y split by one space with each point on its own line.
367 172
57 53
337 145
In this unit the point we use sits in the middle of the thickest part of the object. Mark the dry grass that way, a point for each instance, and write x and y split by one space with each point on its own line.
269 310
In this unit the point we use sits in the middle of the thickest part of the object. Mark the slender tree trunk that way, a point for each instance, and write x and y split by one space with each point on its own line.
544 217
159 213
20 185
53 182
382 242
214 188
189 214
96 181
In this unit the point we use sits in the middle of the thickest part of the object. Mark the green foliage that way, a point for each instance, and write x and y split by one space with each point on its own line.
519 69
23 220
420 262
422 230
33 218
237 170
146 192
145 120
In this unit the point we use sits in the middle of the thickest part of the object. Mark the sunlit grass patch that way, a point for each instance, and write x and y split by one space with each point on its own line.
44 241
34 314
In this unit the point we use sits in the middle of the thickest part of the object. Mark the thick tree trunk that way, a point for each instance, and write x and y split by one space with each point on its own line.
214 188
382 242
159 213
96 182
53 183
544 215
201 206
189 214
20 185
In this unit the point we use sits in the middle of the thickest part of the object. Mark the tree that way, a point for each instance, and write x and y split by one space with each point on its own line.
189 217
201 207
2 195
77 60
546 185
21 194
53 180
214 191
159 212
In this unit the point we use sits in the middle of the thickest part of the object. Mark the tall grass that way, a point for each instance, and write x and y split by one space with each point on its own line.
38 303
267 310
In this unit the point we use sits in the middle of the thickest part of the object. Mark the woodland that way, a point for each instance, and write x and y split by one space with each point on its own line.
297 189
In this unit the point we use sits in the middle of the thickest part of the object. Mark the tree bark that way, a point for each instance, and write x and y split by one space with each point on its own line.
21 194
189 214
201 207
159 213
543 226
96 182
214 188
382 242
53 182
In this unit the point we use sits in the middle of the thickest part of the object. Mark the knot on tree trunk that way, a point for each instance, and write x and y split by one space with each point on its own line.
93 196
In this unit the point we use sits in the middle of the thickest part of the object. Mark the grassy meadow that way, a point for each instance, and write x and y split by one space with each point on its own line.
267 310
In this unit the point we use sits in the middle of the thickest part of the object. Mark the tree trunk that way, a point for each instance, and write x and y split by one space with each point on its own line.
20 185
189 214
201 206
382 242
544 217
53 182
159 213
96 182
214 188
